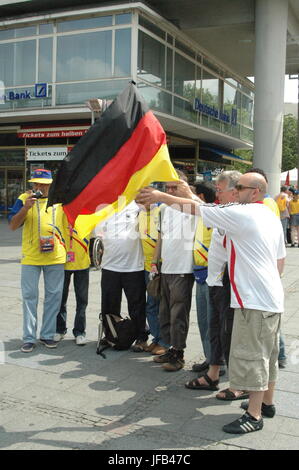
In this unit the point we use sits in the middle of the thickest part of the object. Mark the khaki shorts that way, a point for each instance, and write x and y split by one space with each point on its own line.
253 361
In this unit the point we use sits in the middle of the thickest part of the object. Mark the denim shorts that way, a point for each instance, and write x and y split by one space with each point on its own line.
294 220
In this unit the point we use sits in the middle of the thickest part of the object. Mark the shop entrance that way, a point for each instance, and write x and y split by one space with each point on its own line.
11 186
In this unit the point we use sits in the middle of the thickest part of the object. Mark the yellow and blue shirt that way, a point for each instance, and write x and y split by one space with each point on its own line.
148 229
202 241
39 223
80 250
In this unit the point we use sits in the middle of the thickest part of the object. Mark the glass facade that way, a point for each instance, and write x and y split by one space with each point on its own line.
80 58
184 76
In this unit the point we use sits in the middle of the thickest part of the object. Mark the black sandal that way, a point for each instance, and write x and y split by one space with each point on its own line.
211 384
230 396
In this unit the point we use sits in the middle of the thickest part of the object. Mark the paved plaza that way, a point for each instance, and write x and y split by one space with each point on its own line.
71 398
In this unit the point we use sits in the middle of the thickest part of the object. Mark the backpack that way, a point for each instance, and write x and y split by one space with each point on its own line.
119 333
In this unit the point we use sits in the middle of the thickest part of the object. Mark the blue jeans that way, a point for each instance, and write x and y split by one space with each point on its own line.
203 308
81 284
284 223
282 355
152 316
53 281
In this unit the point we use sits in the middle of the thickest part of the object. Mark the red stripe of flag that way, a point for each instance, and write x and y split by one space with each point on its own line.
134 154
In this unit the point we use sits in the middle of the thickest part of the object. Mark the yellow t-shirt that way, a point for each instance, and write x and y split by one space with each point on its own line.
77 251
148 223
39 223
269 202
202 243
294 207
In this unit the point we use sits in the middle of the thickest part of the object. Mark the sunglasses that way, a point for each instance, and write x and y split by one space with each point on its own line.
240 187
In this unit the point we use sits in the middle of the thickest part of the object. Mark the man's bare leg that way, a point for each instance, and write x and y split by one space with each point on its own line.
268 394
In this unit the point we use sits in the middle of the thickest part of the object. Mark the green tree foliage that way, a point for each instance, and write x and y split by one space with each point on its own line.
290 143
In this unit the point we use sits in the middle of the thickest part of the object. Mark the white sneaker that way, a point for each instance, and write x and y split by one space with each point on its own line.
80 340
58 337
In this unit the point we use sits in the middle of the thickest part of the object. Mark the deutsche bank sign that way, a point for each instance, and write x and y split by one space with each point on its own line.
40 91
216 113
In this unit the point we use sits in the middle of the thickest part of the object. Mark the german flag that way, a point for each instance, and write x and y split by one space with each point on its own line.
123 151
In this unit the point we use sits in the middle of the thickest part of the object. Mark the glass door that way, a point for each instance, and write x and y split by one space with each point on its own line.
14 185
11 186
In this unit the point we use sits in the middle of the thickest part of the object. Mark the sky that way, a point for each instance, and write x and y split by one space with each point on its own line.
290 90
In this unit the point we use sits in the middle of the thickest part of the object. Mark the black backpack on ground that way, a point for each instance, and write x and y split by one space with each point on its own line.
119 333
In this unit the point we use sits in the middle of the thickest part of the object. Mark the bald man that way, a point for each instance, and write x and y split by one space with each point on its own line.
256 253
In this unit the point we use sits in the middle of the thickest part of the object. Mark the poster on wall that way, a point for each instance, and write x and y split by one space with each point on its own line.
46 153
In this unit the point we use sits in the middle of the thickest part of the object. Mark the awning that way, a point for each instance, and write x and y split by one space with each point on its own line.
227 155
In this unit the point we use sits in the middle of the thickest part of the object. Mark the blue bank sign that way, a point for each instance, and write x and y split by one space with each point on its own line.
40 91
216 113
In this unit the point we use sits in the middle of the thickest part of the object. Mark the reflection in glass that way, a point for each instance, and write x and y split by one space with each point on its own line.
184 77
78 93
169 69
185 49
7 34
23 32
84 56
247 111
184 110
210 89
46 28
45 60
151 27
122 58
17 63
125 18
155 98
84 23
151 59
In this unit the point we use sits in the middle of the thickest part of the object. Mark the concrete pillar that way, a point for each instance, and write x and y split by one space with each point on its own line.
270 57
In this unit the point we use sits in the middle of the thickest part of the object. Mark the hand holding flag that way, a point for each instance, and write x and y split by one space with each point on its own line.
123 151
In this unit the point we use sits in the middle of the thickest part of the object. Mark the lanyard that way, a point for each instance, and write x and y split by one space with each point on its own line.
39 219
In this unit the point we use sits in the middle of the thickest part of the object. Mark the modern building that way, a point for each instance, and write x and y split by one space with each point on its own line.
55 57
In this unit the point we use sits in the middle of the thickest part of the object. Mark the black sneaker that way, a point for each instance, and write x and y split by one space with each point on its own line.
27 347
49 343
282 363
268 411
164 357
244 425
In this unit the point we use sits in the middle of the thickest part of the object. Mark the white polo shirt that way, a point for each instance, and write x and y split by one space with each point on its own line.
177 233
121 239
254 243
216 260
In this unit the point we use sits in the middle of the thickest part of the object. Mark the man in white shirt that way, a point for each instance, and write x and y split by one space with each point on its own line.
123 269
176 240
256 254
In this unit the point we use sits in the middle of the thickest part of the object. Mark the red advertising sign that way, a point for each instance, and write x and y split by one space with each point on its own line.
54 134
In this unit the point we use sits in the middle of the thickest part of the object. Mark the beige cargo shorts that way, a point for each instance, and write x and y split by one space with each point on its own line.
253 361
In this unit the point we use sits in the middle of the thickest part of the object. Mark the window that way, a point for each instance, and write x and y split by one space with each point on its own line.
151 59
17 63
184 77
151 27
122 58
125 18
84 23
78 93
45 60
84 56
210 89
247 111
